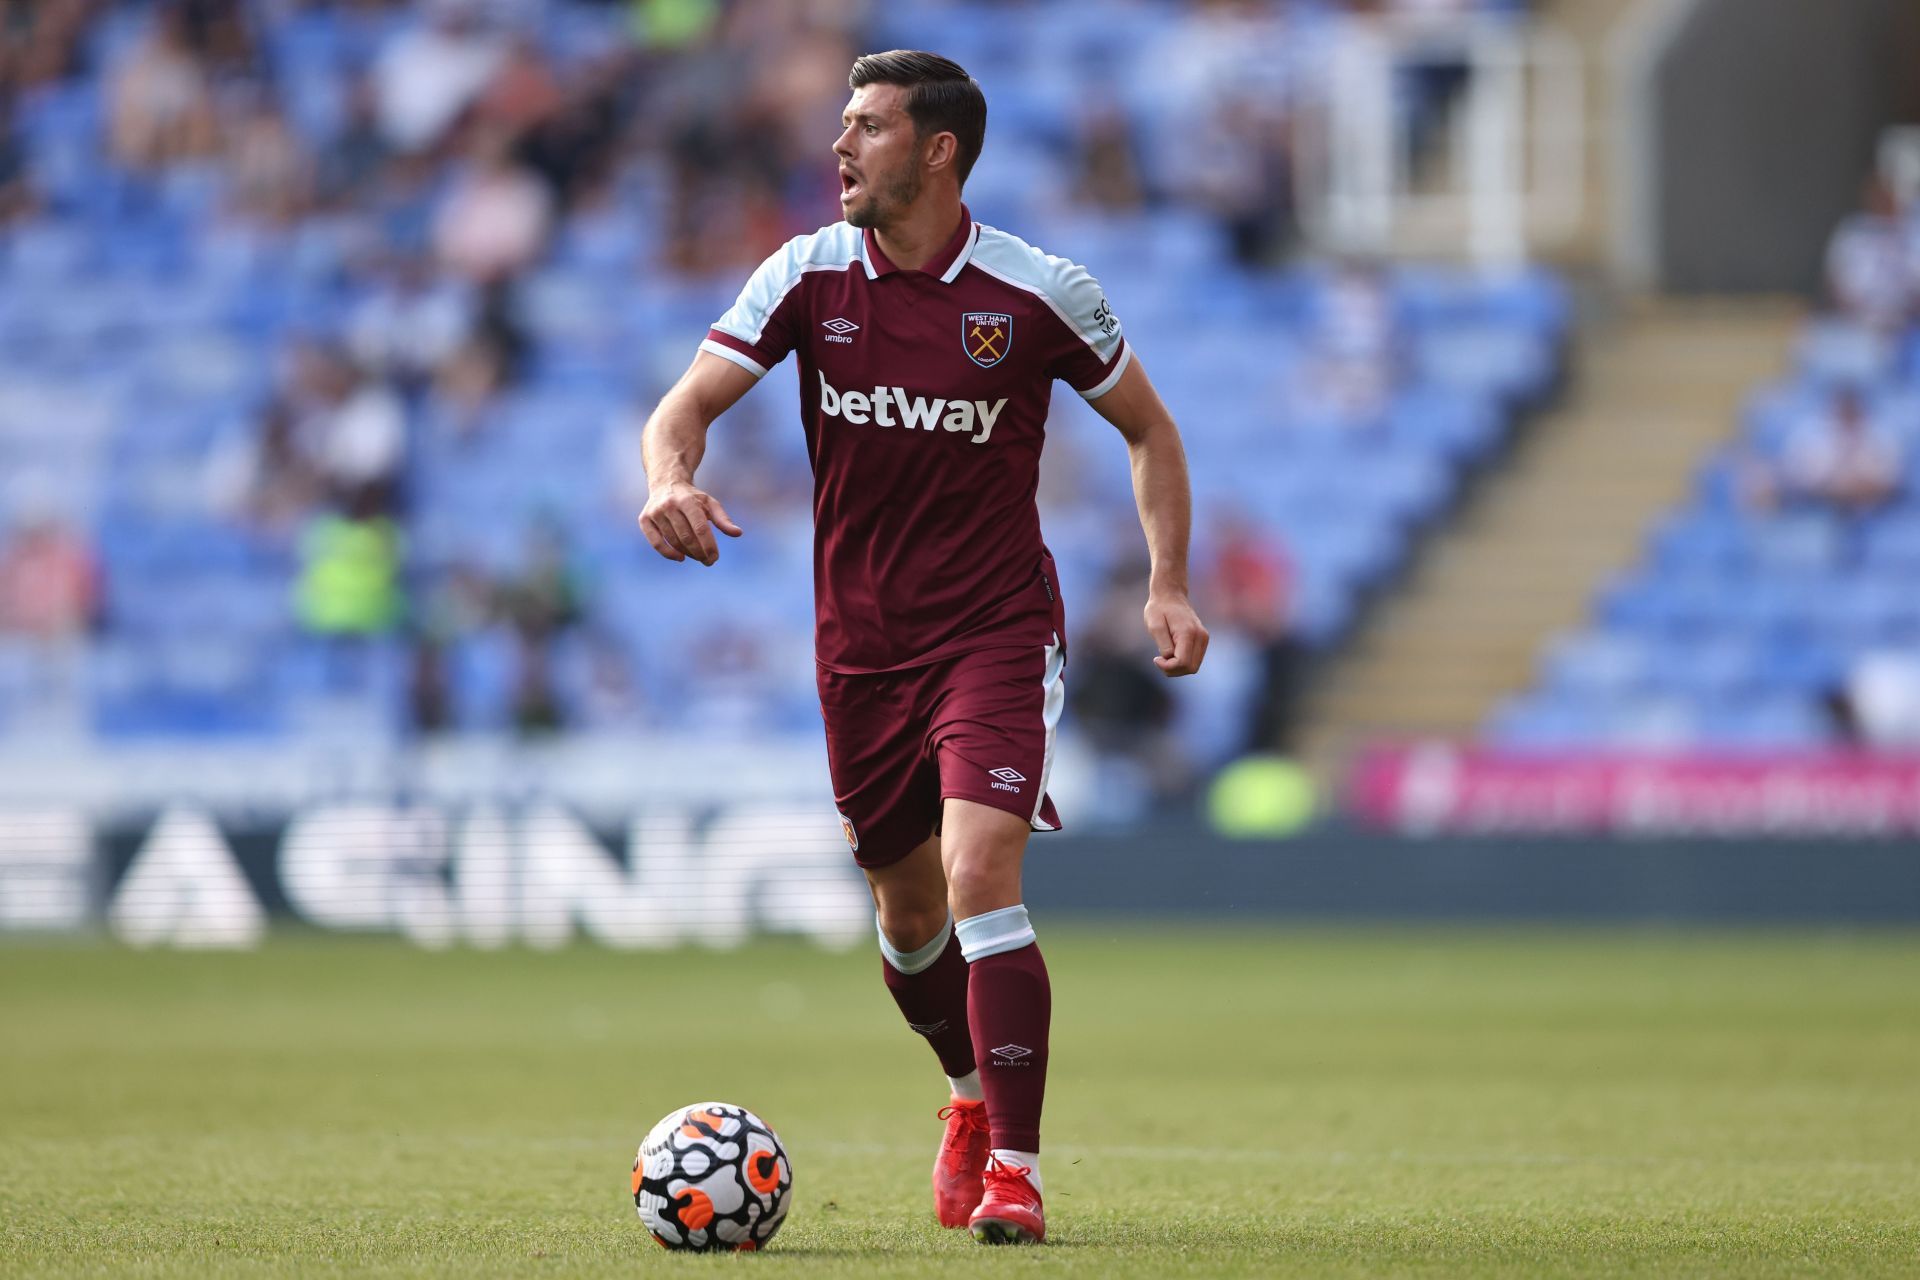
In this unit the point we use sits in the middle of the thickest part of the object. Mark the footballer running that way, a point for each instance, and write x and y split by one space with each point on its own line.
928 345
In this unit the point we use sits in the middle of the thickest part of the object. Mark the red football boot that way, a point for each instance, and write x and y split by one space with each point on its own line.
962 1161
1011 1212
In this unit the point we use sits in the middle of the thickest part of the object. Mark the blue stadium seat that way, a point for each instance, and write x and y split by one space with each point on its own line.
1892 544
1763 725
1543 724
1598 663
1839 351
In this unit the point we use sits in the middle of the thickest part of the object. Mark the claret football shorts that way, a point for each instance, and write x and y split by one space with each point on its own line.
978 726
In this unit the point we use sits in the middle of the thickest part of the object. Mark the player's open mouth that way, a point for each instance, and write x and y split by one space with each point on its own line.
849 185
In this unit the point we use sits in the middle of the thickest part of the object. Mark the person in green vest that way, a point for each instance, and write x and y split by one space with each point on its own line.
350 577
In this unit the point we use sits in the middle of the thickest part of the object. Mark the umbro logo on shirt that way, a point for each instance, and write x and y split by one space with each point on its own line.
838 329
877 407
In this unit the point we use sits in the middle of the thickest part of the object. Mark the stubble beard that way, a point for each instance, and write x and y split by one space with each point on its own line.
887 204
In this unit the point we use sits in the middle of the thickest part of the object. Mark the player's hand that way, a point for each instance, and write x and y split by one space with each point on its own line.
1177 629
679 522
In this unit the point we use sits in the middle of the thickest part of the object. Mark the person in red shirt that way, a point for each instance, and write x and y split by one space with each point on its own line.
928 346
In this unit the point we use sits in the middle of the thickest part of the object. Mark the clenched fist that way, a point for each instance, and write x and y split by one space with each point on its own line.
1177 629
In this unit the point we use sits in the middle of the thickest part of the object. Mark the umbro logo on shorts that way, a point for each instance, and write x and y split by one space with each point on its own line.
838 329
1006 779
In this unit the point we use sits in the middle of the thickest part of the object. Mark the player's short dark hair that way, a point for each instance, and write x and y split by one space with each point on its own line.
941 97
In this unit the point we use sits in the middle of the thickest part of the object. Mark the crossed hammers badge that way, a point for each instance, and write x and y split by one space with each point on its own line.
986 336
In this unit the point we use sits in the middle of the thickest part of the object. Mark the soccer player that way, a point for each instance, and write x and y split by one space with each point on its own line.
928 345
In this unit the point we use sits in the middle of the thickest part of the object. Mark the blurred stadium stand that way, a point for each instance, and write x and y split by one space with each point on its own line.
1776 611
244 288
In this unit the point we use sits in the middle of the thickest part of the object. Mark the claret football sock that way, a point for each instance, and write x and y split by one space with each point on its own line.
1010 1006
930 986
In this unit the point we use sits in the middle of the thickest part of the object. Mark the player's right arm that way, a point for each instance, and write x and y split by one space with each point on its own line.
679 519
755 334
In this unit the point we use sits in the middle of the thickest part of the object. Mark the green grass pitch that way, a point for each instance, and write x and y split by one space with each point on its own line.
1223 1102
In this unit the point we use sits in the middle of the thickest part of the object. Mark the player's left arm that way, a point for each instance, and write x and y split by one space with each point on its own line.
1165 499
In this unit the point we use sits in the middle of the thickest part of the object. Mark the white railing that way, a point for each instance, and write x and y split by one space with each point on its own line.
1509 177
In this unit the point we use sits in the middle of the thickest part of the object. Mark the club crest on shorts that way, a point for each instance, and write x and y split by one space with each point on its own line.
987 336
846 828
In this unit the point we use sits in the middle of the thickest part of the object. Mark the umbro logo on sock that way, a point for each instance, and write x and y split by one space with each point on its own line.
1012 1052
928 1028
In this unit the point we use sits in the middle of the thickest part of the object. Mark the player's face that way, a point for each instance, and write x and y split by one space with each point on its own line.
879 156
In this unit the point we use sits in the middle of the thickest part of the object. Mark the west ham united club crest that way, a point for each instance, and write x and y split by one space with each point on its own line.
987 336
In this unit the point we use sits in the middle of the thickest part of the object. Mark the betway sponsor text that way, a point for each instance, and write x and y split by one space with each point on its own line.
861 408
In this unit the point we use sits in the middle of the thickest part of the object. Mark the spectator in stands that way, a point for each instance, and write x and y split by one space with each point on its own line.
1840 458
219 34
265 479
469 380
1881 700
1868 269
729 679
162 105
42 41
1237 168
331 433
522 94
666 26
1357 344
611 699
428 75
408 323
572 148
465 388
353 430
429 689
544 598
542 602
49 580
1120 701
1251 581
1107 160
1432 63
350 574
19 199
354 158
536 700
455 605
496 220
270 175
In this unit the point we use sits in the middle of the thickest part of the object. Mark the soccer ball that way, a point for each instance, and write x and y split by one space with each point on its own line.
712 1177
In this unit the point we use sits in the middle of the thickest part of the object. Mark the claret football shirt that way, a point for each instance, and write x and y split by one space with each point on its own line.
924 395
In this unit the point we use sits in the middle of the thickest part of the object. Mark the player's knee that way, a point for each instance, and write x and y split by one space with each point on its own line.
908 927
977 884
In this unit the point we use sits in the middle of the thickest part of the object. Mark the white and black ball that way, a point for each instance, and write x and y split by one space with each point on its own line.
712 1177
